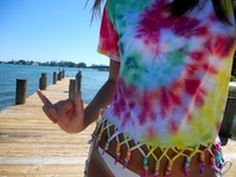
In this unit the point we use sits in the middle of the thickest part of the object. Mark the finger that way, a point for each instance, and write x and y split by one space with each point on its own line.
79 105
48 107
43 98
62 107
77 99
51 113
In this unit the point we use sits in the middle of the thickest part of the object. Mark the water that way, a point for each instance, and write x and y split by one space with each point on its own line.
92 80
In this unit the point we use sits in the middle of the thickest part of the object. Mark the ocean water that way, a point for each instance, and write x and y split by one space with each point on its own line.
92 80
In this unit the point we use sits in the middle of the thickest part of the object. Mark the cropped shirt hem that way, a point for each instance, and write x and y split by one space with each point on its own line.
107 128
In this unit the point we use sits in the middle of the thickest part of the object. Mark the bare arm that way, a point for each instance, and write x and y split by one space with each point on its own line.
104 95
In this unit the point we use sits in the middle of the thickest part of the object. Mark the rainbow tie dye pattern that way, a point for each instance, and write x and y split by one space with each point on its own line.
174 72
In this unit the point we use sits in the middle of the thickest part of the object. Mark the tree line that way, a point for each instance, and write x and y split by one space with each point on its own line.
53 63
79 65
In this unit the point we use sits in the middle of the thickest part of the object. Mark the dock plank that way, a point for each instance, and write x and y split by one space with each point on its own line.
26 170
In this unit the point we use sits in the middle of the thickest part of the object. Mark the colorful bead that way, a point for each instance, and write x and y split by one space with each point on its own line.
145 166
167 174
217 170
117 160
155 174
212 162
168 169
144 173
107 146
218 158
100 135
118 154
202 157
218 146
202 167
118 146
145 162
128 157
187 162
187 166
157 166
170 165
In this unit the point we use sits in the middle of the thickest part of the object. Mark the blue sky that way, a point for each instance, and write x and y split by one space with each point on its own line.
49 30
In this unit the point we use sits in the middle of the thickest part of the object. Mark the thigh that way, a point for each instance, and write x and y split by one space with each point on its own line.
96 167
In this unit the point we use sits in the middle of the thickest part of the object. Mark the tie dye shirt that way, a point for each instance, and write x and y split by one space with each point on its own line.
174 71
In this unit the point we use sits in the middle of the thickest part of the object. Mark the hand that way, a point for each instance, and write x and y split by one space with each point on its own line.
68 114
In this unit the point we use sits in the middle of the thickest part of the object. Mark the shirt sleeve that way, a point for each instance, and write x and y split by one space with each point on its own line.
108 38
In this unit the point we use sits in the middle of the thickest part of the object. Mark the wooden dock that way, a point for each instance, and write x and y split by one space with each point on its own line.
32 146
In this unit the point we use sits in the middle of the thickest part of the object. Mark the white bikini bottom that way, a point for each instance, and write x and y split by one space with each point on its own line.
117 168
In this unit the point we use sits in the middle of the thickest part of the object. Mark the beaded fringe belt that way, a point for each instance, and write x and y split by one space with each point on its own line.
104 126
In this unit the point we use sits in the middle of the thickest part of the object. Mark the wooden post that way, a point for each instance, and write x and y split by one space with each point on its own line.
228 129
227 122
63 74
59 76
78 77
72 89
43 81
21 86
54 77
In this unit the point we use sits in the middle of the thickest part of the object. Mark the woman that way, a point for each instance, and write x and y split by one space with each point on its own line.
163 101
